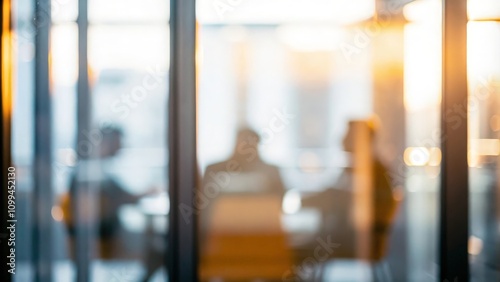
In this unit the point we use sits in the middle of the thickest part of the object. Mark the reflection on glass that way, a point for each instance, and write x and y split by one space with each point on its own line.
422 94
351 204
109 186
484 87
237 247
22 149
329 119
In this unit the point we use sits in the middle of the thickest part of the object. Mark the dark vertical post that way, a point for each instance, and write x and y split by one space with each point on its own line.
454 264
5 131
83 246
43 198
182 256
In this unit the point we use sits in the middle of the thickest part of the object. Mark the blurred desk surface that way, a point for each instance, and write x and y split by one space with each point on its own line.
301 225
157 205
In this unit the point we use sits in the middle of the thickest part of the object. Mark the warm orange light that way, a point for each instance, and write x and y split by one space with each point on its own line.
57 213
7 61
485 147
422 66
430 10
475 245
422 156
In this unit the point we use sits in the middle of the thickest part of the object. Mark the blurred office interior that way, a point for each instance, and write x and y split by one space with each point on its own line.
252 140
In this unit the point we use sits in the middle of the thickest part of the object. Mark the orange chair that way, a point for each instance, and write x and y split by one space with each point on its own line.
244 239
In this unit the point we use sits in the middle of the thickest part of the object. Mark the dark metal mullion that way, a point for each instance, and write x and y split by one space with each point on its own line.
42 196
83 246
182 253
454 232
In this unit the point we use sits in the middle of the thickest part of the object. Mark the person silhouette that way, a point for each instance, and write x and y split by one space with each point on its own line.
99 196
245 163
240 226
361 204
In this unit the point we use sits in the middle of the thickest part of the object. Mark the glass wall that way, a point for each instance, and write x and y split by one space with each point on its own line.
318 141
23 130
319 132
109 180
422 155
483 60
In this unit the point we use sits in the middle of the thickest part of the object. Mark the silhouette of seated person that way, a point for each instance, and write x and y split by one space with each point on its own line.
241 234
248 172
358 211
99 196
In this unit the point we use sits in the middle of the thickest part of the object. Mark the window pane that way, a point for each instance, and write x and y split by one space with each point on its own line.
111 183
128 11
66 156
484 88
23 134
318 142
64 10
109 180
